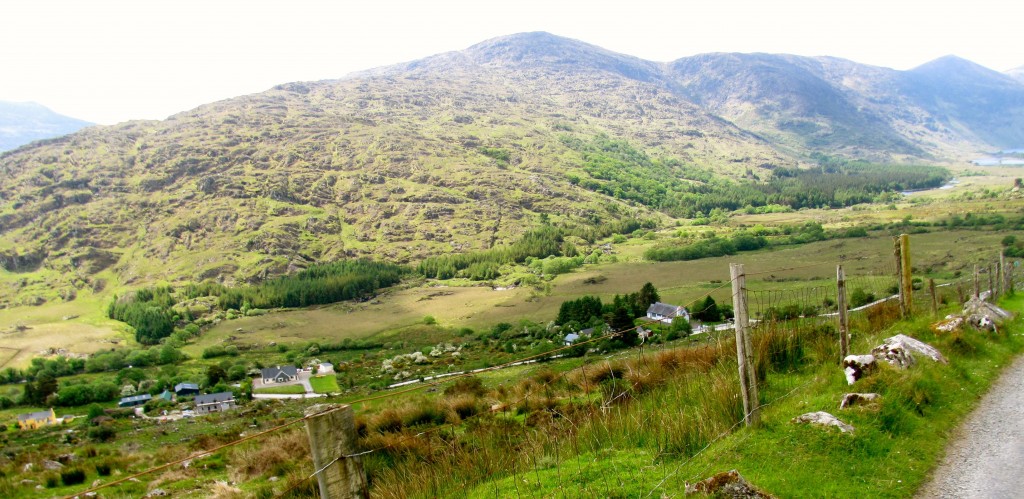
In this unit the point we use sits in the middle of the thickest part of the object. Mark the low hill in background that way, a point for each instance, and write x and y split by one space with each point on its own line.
24 122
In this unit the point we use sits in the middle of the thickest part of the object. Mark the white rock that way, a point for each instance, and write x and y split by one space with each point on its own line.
857 366
976 306
823 418
898 349
852 399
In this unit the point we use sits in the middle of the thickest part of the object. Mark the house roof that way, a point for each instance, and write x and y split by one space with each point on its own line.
186 386
272 372
136 398
167 395
214 398
571 337
35 415
663 309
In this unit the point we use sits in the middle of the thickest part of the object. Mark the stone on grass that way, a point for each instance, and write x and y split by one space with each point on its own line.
852 399
977 306
726 484
858 366
981 322
823 418
951 324
898 351
51 465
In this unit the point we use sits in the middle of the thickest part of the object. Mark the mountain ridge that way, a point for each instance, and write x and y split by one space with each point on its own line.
456 152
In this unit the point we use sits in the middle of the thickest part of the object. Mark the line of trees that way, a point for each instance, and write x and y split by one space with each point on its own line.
541 242
617 169
149 311
319 284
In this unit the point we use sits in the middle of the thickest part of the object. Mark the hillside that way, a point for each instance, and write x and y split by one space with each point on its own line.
24 122
456 152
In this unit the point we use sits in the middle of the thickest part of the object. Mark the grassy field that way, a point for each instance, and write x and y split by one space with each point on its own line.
325 384
282 390
811 265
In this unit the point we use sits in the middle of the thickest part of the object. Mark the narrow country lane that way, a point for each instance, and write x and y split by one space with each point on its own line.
985 459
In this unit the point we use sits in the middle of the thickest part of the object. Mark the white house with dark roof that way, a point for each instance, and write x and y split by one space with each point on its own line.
665 312
279 374
215 402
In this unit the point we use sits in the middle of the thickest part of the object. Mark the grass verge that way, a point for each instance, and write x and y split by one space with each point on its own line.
636 450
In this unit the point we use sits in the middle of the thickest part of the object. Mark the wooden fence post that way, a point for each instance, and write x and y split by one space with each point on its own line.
1009 278
991 285
899 276
744 346
332 437
977 282
1001 273
935 299
905 279
844 318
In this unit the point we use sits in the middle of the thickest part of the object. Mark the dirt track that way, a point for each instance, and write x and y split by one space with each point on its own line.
986 456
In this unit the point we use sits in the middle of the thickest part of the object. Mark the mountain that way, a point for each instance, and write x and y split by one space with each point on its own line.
1017 73
24 122
460 151
974 101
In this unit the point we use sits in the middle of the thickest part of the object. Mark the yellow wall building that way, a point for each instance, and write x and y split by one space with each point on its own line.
34 420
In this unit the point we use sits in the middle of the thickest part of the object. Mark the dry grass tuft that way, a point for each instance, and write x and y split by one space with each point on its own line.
274 455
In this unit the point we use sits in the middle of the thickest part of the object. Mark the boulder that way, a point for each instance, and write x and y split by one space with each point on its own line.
981 322
898 351
852 399
157 493
858 366
951 324
977 306
823 418
726 484
51 465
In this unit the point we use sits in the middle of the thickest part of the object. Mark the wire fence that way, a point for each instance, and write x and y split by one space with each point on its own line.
786 308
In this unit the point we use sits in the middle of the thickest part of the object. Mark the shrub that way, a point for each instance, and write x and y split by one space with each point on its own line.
73 476
103 469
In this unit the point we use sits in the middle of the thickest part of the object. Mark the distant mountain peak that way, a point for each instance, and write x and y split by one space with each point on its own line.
543 49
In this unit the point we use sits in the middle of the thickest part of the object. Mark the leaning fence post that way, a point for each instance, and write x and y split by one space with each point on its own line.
844 318
332 438
744 346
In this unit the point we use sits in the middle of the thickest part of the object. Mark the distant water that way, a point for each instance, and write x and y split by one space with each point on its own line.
1000 159
948 185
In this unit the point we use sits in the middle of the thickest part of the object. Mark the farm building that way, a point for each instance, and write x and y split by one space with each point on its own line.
34 420
134 400
183 389
215 402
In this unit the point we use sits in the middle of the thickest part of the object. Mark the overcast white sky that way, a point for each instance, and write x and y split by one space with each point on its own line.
110 60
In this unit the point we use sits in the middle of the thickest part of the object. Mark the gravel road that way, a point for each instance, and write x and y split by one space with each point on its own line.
985 458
